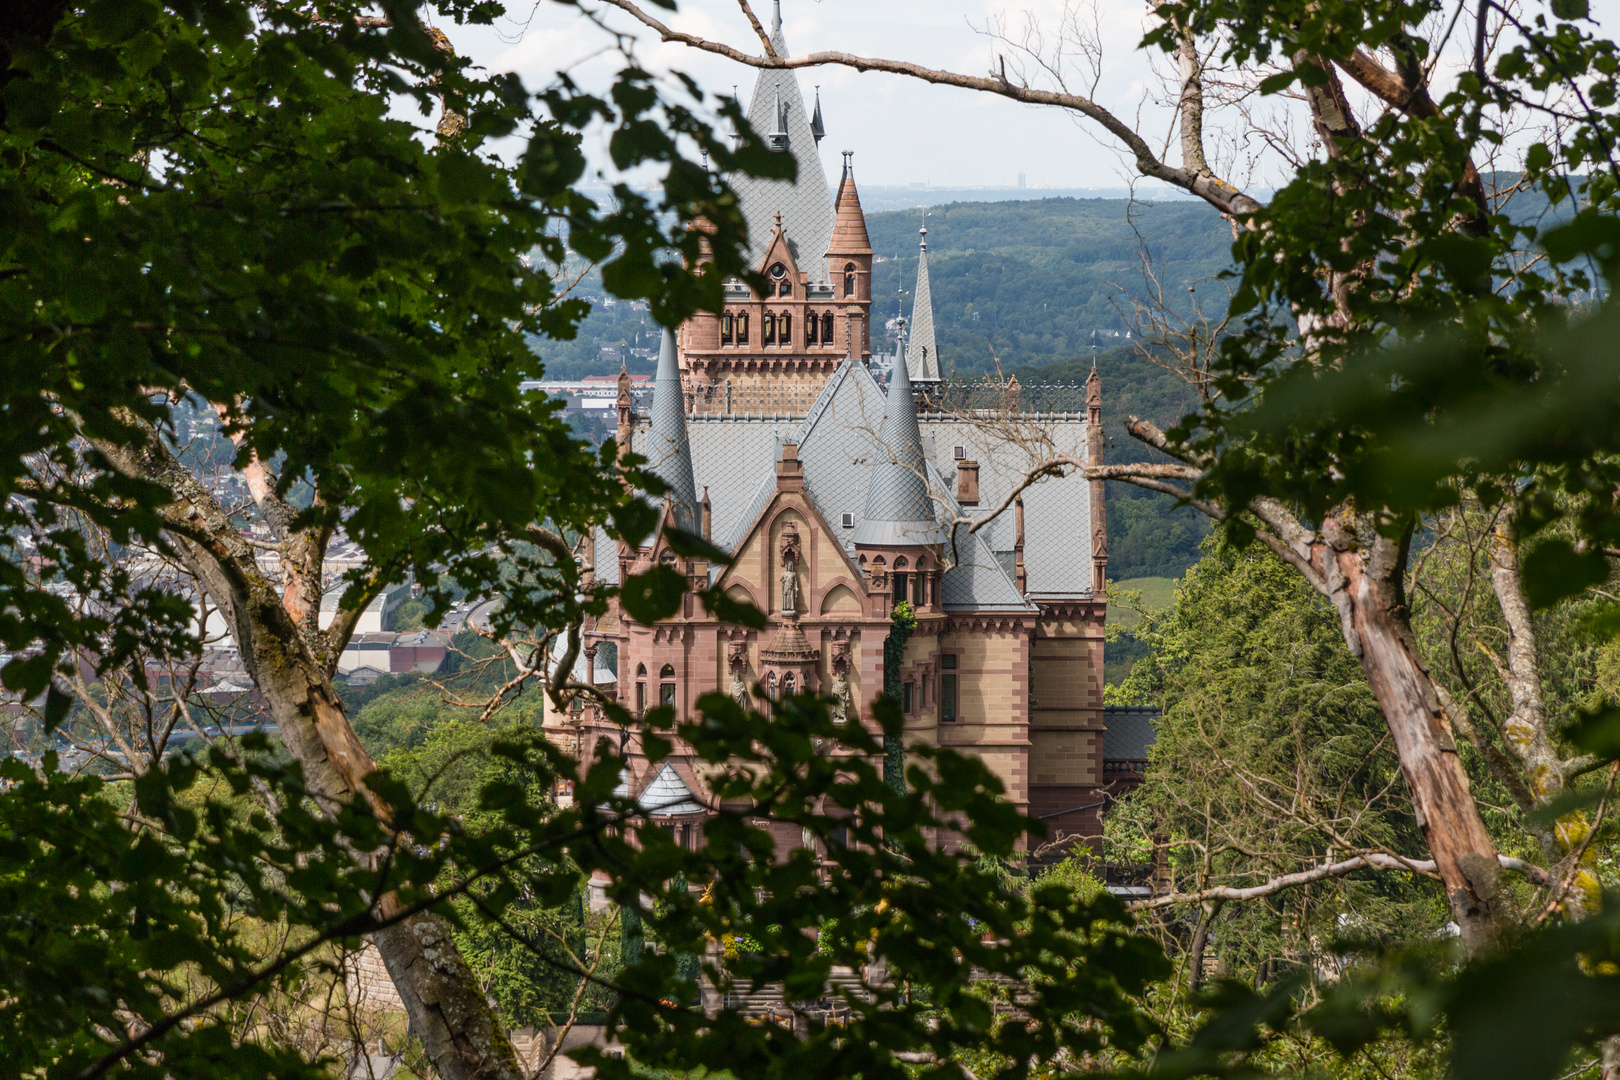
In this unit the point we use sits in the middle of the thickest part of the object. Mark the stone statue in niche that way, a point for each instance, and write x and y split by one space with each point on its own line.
842 704
790 569
738 690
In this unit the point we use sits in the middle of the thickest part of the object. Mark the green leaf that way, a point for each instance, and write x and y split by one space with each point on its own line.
692 546
735 612
653 596
634 521
1554 570
1569 10
57 705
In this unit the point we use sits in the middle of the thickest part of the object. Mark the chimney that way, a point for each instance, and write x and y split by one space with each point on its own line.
967 483
790 470
708 513
1020 578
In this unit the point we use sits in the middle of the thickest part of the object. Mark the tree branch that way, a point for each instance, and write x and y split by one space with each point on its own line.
1369 861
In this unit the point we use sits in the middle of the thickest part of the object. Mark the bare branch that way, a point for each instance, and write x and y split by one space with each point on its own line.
1369 861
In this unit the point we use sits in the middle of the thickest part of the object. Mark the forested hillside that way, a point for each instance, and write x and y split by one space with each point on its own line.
1040 282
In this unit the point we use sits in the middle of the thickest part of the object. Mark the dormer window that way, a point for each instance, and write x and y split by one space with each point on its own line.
849 280
780 280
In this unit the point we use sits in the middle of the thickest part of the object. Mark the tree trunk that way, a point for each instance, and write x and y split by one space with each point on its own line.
447 1010
1365 586
1200 942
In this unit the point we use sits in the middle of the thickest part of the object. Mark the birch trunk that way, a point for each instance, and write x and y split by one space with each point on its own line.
1378 631
448 1011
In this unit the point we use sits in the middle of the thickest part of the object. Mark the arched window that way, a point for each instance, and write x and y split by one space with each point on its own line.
666 685
788 685
849 280
826 329
810 323
641 671
742 328
778 275
900 563
784 329
725 328
769 335
770 685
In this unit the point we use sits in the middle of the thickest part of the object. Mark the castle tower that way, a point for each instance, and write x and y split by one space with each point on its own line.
772 351
849 257
899 534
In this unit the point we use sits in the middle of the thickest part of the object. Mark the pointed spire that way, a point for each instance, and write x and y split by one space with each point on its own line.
778 137
817 128
849 220
778 105
898 509
776 18
667 450
922 358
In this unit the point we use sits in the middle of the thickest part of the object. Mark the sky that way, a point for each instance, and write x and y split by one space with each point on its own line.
902 131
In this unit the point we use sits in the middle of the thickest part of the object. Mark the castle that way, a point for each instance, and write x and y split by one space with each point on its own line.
836 498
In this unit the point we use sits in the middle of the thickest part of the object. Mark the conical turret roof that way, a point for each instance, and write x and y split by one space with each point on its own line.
668 450
898 509
922 358
849 224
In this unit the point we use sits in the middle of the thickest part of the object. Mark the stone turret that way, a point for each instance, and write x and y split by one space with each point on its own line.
667 449
899 512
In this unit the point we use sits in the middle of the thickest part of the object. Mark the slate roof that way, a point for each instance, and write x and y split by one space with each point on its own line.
668 794
922 356
735 458
806 204
1057 511
1130 731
